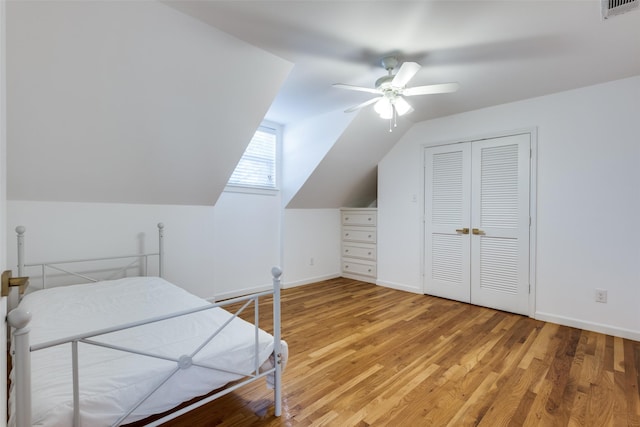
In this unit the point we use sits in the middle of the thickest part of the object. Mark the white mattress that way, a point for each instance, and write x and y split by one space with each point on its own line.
110 381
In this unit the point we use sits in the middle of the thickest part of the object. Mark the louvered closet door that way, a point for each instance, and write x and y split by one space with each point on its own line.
500 219
477 222
447 209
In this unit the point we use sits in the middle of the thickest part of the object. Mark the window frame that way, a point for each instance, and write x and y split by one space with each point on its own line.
276 130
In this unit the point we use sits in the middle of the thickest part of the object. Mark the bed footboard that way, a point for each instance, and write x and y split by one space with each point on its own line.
19 319
276 272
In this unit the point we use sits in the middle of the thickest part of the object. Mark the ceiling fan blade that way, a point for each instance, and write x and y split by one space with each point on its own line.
431 89
403 107
364 104
405 73
358 88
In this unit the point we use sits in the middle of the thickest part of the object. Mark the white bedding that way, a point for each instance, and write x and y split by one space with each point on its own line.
111 381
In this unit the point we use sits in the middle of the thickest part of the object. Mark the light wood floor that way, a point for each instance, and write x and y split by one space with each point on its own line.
364 355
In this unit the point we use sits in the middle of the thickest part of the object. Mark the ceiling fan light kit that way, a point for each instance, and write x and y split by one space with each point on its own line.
392 88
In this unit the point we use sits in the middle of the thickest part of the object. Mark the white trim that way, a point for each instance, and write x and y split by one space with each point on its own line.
588 326
311 280
239 293
400 287
533 189
251 190
533 212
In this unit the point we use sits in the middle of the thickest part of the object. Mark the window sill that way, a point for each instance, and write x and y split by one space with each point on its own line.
251 190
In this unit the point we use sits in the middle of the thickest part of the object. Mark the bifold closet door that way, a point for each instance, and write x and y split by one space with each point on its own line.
477 222
500 223
447 216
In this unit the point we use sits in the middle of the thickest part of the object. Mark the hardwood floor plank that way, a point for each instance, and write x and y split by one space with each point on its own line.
541 345
618 354
559 373
365 355
632 391
536 370
465 414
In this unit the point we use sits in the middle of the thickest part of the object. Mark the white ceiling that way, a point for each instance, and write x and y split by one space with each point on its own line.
499 51
130 86
124 102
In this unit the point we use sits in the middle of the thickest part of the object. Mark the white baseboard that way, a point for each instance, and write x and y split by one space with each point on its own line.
589 326
399 286
286 284
240 293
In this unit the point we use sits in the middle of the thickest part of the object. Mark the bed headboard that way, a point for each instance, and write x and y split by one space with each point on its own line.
140 259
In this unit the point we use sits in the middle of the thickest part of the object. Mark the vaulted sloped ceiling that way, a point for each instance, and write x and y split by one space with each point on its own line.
130 102
499 51
347 174
304 145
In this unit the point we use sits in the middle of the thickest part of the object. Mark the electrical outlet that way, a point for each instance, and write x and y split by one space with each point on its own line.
601 295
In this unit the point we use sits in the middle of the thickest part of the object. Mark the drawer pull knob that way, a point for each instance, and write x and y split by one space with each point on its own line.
368 253
346 234
369 270
346 251
369 235
369 219
346 266
346 218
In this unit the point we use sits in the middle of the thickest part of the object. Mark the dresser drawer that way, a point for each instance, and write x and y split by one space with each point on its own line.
367 252
358 234
362 268
358 218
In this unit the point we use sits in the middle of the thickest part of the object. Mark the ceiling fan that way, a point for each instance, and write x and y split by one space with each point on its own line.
391 89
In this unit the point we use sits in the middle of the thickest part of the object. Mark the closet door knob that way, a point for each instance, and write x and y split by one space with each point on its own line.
477 231
463 230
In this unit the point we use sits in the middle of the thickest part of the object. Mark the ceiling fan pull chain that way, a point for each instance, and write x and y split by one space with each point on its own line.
395 116
392 118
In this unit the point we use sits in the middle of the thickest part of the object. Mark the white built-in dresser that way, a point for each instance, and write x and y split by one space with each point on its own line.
359 243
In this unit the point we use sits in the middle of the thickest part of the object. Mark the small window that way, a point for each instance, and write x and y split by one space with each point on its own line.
257 167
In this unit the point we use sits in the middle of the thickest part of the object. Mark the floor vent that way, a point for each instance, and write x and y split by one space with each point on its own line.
616 7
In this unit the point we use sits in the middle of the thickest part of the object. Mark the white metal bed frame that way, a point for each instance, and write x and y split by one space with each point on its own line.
141 259
19 320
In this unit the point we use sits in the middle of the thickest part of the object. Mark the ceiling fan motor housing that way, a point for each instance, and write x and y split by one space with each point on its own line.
389 62
384 82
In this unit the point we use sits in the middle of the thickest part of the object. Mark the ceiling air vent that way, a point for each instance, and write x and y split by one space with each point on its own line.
616 7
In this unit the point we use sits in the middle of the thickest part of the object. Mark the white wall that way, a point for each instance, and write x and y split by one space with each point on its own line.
214 252
311 234
588 201
129 102
247 242
66 230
